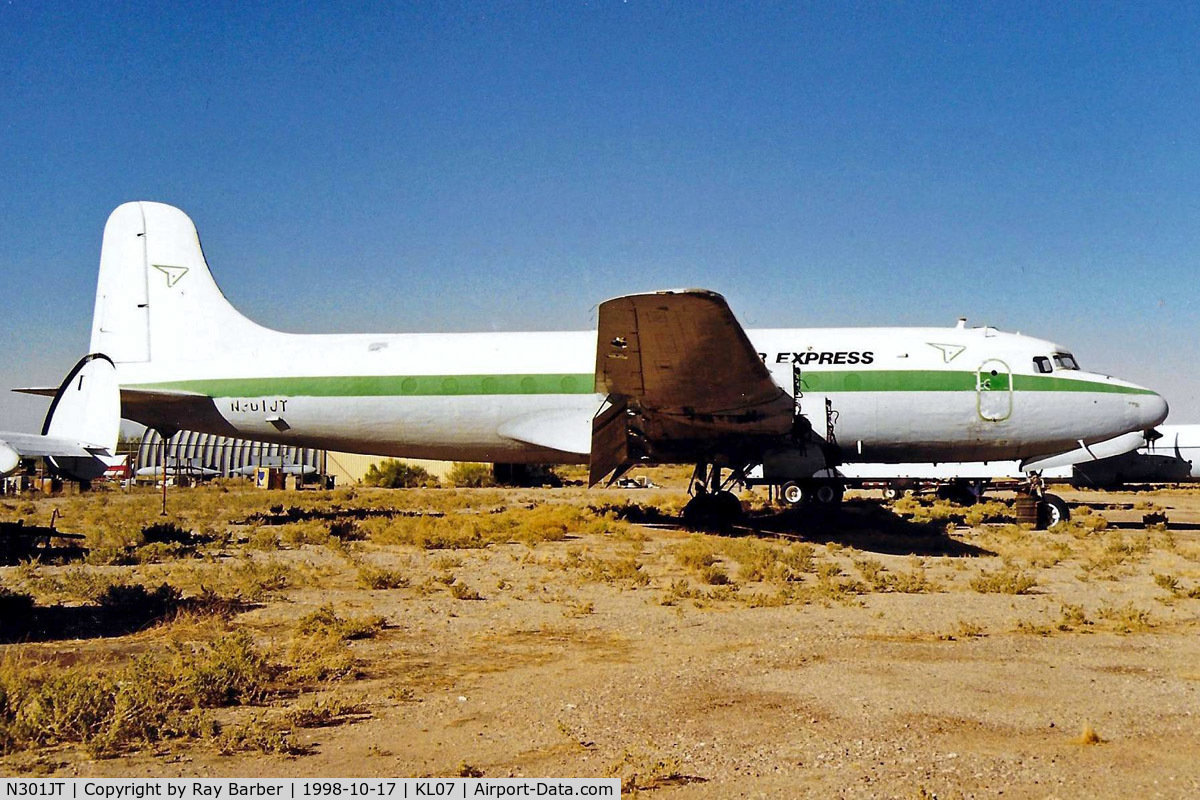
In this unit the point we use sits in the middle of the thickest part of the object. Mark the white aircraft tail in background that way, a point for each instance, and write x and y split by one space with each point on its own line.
79 436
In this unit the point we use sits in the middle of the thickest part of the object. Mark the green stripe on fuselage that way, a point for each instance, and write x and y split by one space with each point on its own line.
383 385
901 380
822 382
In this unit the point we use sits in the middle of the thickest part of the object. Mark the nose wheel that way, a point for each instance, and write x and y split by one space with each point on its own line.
1051 510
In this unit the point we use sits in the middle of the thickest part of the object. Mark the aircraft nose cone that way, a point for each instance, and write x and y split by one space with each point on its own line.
1151 410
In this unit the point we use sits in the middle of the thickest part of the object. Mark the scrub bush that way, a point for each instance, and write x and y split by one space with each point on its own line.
393 474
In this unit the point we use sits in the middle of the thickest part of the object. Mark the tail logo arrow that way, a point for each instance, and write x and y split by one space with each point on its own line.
174 274
949 351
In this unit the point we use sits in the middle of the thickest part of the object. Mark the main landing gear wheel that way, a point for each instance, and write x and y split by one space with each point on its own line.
712 511
827 494
791 493
817 494
1051 510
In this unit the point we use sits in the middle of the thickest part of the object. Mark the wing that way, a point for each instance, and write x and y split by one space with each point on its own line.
683 382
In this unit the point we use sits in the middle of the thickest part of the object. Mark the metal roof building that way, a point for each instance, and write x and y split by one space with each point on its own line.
222 453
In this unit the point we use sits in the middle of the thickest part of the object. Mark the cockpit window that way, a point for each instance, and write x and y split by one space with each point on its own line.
1042 364
1065 361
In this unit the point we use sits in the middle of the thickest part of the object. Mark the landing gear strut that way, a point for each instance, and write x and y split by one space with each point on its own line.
713 506
1051 509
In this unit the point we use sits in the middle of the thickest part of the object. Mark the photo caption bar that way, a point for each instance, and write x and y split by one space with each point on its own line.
301 789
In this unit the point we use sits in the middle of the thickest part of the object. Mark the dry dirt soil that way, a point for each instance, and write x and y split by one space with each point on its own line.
884 652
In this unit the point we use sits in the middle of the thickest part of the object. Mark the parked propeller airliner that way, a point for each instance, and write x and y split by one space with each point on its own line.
668 377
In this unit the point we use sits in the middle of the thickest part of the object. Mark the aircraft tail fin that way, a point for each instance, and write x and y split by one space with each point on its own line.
156 299
86 412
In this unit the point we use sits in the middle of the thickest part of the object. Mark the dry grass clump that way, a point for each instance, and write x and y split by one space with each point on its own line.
1116 553
332 709
1023 544
73 584
1164 581
1126 619
921 510
1008 580
466 474
110 709
319 660
460 591
878 579
260 734
770 563
1072 618
1083 525
623 570
992 511
1033 627
640 771
698 552
914 581
757 561
306 532
249 578
324 621
541 523
373 577
1087 736
714 576
626 570
319 652
681 589
965 629
579 608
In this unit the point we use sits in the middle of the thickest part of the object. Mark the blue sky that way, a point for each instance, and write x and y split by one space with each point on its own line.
507 166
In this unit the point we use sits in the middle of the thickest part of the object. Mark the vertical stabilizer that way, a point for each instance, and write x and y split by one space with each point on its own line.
156 300
86 411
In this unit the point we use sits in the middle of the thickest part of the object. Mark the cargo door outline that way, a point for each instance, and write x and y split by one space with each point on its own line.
993 391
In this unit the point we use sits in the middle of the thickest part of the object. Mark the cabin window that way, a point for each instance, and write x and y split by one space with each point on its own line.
1065 361
1042 364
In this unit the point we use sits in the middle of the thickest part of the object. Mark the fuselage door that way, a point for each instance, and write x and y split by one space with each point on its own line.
993 387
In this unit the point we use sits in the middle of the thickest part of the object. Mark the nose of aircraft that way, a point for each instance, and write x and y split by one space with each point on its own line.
1149 410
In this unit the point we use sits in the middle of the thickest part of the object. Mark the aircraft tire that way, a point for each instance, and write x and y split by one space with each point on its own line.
1051 510
697 511
712 511
728 507
792 493
827 494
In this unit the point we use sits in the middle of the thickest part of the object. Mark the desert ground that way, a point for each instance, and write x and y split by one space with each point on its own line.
910 650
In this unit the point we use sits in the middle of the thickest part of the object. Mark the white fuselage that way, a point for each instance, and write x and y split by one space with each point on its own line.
899 394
